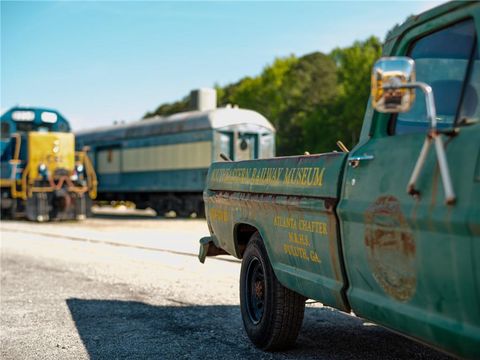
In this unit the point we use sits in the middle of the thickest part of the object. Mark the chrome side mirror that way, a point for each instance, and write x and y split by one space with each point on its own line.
389 76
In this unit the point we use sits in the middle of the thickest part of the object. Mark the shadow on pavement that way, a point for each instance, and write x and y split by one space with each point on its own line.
131 330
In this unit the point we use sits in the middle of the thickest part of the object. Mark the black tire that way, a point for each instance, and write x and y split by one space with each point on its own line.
272 314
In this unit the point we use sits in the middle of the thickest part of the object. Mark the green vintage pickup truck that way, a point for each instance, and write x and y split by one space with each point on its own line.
389 230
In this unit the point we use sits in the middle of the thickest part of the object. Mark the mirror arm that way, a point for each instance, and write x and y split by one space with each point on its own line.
434 136
429 100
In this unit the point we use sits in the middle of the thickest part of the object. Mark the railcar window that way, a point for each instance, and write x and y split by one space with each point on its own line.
224 145
267 145
5 130
442 61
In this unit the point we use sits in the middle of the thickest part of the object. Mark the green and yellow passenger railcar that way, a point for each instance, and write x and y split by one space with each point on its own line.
162 162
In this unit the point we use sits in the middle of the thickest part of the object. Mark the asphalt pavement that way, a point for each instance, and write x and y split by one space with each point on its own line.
129 286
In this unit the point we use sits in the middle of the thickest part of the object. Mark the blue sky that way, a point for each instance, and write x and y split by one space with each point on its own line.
97 62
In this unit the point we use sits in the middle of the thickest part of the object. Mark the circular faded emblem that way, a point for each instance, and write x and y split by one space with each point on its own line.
390 248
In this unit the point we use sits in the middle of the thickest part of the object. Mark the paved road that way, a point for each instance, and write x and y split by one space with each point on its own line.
131 287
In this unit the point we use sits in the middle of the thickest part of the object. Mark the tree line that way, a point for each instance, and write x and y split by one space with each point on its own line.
312 101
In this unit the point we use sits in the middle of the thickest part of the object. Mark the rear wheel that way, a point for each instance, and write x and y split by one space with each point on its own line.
272 314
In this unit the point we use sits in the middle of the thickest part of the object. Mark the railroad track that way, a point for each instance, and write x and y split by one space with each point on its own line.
113 243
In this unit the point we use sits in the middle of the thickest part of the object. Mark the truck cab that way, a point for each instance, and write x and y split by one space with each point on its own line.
413 256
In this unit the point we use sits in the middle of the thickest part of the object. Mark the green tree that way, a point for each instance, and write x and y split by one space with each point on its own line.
286 92
309 84
262 93
170 108
342 118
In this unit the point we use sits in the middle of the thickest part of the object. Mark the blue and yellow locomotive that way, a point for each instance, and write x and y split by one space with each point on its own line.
42 177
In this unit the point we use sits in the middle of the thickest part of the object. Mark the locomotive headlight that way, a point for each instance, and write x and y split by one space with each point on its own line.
43 171
78 173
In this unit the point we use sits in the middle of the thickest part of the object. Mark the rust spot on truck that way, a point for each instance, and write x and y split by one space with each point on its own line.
330 204
390 248
333 247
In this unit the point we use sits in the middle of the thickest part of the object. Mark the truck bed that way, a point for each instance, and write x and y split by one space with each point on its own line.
291 203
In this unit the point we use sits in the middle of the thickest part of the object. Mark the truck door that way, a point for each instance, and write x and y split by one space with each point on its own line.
413 263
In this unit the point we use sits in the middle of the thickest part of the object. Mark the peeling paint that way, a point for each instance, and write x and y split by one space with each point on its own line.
391 248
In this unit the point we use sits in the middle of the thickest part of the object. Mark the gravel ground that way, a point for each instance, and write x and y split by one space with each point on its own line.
131 287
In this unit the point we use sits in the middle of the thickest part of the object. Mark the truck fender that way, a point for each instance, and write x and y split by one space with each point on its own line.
242 233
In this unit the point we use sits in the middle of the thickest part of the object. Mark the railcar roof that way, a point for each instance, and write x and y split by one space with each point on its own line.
181 122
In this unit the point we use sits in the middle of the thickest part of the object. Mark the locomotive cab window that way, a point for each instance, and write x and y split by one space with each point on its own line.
30 126
25 126
5 130
63 127
443 60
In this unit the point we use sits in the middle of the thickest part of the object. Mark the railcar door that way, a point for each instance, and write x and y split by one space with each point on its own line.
246 147
412 263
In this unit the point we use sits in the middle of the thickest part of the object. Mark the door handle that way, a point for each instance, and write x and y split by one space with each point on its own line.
354 161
